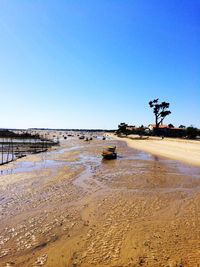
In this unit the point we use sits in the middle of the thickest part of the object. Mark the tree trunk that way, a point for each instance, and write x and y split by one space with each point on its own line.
157 125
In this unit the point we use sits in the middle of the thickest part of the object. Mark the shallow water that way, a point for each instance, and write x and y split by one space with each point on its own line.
20 140
124 154
6 157
28 166
68 149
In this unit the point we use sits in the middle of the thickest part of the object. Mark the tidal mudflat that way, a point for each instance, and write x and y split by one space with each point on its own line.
68 207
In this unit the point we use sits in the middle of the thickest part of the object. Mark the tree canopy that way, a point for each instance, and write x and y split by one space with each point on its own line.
122 128
160 110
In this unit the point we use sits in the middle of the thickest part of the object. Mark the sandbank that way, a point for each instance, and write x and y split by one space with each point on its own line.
187 151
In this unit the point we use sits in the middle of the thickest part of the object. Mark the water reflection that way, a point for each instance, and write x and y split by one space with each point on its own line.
156 158
30 166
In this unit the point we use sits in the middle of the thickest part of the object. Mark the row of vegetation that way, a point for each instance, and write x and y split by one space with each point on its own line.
22 135
7 134
160 110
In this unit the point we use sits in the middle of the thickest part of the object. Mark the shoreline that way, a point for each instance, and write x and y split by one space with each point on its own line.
185 151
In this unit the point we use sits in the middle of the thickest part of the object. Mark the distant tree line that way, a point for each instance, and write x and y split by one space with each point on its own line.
123 129
184 132
74 130
9 134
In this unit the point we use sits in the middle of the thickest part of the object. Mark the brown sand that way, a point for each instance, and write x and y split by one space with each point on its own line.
75 210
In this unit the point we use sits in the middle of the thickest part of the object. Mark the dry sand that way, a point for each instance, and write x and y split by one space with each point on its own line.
187 151
68 208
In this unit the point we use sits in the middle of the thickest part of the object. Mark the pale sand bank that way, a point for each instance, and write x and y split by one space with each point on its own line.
184 150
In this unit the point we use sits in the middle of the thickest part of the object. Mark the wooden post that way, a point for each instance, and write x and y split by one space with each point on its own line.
2 152
8 152
12 149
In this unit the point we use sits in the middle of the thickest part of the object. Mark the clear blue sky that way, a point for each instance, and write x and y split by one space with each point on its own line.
94 64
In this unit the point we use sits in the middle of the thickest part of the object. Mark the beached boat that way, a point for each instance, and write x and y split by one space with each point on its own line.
109 153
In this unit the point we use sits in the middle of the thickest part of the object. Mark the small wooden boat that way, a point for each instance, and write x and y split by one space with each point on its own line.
109 153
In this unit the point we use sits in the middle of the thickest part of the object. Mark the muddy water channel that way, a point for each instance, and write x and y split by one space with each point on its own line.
68 207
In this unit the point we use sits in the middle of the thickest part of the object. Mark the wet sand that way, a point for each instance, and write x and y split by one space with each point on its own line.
69 208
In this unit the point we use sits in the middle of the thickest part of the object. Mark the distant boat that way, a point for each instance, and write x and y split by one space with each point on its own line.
82 137
109 153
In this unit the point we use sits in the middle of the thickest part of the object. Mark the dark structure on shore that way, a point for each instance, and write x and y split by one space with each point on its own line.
14 146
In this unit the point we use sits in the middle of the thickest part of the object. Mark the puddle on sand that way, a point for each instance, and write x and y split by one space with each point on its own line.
28 166
63 150
175 166
187 169
83 178
137 156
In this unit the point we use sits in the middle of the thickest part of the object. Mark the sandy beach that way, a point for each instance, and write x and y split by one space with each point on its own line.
69 208
187 151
